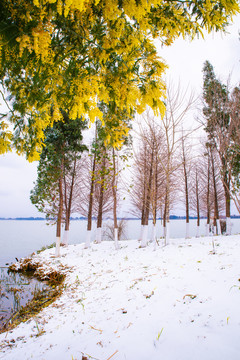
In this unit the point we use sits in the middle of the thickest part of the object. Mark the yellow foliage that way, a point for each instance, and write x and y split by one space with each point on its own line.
111 11
103 53
5 138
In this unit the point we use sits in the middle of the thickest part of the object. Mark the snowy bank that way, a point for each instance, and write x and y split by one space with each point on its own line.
179 302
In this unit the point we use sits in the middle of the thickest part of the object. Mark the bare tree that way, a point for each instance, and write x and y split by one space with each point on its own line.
103 189
216 207
148 180
186 160
178 105
197 187
114 194
157 162
140 192
197 192
211 194
84 190
69 184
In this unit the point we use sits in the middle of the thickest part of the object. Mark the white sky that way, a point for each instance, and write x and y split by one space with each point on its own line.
185 60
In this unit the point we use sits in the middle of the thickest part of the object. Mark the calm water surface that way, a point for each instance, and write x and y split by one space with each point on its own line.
15 291
20 238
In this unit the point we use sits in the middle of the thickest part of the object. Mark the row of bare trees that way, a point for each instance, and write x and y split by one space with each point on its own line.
93 193
165 178
172 164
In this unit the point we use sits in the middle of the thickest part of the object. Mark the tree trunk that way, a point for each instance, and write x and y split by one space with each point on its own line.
216 211
144 195
198 207
69 205
165 213
154 235
60 211
155 202
226 185
162 221
100 204
167 209
64 241
147 208
90 206
186 191
166 224
208 199
99 217
114 191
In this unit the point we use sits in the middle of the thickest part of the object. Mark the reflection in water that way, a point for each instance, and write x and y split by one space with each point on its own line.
15 291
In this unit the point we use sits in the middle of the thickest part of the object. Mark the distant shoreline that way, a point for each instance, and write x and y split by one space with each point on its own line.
172 217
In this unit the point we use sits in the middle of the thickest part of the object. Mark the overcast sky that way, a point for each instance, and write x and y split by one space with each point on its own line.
185 60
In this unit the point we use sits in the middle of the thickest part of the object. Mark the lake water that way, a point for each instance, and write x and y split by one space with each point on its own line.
19 238
15 292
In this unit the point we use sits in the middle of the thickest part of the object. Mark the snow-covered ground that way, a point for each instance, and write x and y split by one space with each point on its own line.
179 302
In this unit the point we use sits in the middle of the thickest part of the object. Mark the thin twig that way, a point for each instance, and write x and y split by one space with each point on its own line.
92 327
112 355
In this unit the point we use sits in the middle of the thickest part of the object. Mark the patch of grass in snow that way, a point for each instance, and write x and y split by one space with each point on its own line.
53 245
94 328
191 296
108 230
135 282
39 329
159 334
77 281
31 266
84 357
80 301
234 286
150 295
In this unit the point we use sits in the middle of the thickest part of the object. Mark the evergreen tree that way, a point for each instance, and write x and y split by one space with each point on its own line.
235 137
217 115
62 146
